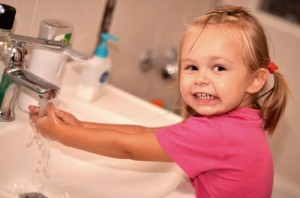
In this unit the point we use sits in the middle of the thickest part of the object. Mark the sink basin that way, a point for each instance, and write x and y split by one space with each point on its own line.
58 171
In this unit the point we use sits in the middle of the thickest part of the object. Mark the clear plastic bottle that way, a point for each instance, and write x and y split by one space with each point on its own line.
96 71
7 17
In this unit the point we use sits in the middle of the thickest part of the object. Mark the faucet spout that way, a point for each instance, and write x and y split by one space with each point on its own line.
11 82
38 85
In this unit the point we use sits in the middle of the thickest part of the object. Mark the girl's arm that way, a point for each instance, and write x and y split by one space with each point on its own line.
113 143
129 129
72 120
118 141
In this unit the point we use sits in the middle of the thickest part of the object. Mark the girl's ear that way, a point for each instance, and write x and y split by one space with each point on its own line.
259 79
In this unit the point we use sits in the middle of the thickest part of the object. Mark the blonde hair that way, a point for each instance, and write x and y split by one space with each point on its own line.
248 30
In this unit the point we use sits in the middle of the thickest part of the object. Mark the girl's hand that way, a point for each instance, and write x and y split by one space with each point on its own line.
47 125
50 124
67 118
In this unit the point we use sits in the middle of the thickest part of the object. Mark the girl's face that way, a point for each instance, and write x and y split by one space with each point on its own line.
213 76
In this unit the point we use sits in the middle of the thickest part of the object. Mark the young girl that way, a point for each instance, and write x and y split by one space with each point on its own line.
221 145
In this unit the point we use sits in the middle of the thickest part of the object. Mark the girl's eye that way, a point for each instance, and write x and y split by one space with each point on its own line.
191 67
219 68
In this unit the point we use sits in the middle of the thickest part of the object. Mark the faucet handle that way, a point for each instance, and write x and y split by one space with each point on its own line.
32 40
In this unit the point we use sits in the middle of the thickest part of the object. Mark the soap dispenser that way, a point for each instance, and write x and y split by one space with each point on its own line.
96 71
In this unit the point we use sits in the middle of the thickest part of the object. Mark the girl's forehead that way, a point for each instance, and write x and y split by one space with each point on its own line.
211 43
195 32
217 36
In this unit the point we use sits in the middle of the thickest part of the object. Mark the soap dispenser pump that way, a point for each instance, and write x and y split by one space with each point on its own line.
96 71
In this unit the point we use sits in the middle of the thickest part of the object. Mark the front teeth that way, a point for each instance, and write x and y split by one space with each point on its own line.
205 96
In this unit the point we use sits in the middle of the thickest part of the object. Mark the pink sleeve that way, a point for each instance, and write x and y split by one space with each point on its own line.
196 145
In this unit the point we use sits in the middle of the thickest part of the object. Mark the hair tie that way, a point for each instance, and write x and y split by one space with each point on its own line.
272 67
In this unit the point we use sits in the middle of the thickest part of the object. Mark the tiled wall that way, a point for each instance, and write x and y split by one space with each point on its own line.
143 25
139 24
84 15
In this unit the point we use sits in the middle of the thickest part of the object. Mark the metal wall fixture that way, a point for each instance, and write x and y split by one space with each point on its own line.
166 64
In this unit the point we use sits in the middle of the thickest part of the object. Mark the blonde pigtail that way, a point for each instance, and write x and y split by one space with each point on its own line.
274 102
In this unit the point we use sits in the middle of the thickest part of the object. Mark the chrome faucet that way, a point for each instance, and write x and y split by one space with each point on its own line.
15 75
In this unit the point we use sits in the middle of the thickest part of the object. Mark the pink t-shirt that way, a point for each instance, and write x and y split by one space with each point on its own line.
224 156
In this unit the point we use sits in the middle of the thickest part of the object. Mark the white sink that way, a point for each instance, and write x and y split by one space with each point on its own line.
75 173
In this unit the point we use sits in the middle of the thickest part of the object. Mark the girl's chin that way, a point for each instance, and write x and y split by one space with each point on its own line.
208 111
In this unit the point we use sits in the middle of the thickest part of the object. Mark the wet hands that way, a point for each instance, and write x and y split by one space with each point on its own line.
50 125
47 125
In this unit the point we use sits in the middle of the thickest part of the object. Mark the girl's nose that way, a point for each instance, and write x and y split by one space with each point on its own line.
201 78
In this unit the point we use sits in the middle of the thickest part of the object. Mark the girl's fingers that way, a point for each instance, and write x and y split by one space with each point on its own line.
33 109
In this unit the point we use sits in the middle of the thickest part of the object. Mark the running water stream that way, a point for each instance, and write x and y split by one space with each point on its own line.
43 103
42 185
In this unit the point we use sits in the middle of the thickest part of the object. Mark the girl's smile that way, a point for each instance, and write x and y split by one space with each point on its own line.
213 76
205 98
